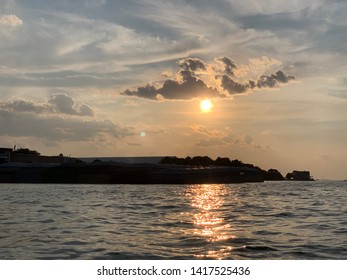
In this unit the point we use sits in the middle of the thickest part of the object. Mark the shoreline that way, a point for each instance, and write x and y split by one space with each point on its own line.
120 173
128 173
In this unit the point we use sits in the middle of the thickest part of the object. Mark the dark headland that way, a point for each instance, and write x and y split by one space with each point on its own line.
26 166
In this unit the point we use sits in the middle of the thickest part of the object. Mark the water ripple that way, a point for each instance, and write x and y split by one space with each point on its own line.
273 220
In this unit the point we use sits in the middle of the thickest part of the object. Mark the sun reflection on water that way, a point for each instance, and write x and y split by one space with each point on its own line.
208 219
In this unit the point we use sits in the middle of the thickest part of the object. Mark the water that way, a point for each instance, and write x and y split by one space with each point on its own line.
272 220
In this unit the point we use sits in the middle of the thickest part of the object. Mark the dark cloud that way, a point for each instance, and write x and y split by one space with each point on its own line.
266 81
63 103
192 64
24 106
273 80
59 104
193 80
85 110
233 87
148 91
188 87
229 65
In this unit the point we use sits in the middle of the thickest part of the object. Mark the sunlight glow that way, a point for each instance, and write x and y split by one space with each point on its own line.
206 105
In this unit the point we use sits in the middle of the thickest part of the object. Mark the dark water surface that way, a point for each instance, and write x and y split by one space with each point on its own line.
271 220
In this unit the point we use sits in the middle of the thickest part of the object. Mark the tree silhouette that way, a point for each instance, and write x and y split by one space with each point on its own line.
273 175
270 175
26 151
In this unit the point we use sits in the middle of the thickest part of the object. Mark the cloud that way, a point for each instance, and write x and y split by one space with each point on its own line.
10 21
57 128
57 104
248 139
57 119
186 86
209 142
257 66
189 88
214 137
92 45
63 103
273 80
232 86
95 3
23 106
203 130
85 110
339 92
147 91
229 65
192 64
198 79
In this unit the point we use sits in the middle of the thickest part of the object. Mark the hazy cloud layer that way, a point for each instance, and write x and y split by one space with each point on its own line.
198 79
207 137
98 40
56 128
58 119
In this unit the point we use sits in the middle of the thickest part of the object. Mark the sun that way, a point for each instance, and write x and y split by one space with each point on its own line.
206 105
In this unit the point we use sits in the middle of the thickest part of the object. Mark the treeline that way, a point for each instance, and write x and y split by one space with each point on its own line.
26 151
270 175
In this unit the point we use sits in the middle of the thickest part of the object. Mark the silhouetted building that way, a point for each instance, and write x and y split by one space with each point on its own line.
5 155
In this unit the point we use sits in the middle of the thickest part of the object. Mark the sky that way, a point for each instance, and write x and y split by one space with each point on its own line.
110 78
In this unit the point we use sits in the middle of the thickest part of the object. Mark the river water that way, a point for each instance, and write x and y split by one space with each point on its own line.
271 220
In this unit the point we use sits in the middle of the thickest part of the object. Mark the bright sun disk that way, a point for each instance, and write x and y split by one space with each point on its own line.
206 105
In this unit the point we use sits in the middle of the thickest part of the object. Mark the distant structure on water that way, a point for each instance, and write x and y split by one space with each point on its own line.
299 176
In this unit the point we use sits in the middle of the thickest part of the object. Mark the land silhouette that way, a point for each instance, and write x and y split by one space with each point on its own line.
271 174
29 166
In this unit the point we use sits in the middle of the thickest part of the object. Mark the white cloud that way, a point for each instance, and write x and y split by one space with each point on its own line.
257 66
10 21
